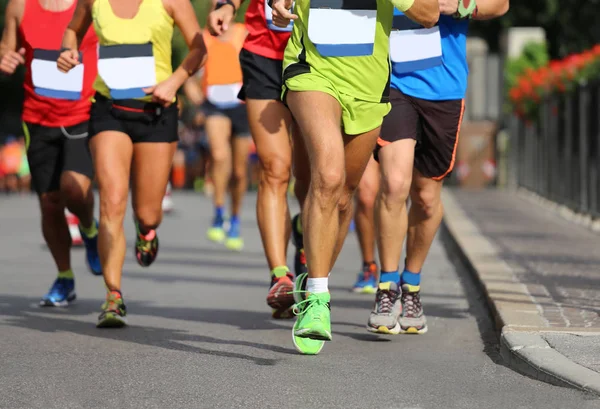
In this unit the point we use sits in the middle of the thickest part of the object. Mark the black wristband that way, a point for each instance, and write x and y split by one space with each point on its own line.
222 3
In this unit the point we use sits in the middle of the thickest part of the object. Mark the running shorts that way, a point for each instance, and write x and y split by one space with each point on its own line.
237 115
261 76
54 150
435 125
142 121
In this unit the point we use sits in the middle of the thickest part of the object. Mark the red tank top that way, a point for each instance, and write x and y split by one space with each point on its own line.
261 39
41 29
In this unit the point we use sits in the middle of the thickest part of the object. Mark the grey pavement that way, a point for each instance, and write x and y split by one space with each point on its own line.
541 274
201 336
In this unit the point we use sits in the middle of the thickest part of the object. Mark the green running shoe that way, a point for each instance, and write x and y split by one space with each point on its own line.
114 312
305 346
314 317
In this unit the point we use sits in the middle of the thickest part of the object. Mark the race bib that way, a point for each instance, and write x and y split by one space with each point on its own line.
269 18
48 81
127 69
224 96
343 28
414 47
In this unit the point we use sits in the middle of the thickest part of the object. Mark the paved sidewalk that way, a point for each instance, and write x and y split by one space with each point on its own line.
541 274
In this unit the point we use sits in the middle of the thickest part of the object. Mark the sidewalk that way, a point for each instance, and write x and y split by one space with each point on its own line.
541 275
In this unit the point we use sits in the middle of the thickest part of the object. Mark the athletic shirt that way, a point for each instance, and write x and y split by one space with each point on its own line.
264 38
349 47
41 32
222 79
445 81
134 53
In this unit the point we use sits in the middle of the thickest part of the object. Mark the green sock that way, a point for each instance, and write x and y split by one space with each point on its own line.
280 271
89 232
299 224
66 274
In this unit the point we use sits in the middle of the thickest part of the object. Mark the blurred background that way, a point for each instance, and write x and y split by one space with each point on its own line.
531 115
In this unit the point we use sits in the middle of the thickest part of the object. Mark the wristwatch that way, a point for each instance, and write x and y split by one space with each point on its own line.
222 3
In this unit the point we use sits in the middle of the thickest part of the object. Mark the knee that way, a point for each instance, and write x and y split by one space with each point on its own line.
366 196
220 154
239 175
345 201
275 171
426 201
328 183
52 204
395 187
113 204
149 216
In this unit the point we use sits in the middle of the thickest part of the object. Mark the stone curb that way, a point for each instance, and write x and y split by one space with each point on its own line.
521 345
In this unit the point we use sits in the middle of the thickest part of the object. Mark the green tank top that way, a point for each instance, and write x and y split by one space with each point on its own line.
348 45
133 52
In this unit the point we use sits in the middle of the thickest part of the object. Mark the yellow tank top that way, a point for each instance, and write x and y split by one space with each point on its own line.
152 24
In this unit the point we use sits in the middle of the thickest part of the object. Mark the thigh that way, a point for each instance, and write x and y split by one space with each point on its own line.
45 155
358 150
269 122
369 182
150 174
101 119
241 154
218 132
112 152
436 151
261 77
301 164
77 156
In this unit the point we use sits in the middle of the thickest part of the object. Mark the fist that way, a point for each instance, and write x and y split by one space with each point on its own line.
219 20
11 60
281 12
448 7
67 60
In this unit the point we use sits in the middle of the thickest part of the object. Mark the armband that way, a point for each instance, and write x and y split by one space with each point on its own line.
465 11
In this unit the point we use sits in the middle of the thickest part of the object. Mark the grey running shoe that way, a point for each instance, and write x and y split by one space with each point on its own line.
387 310
412 320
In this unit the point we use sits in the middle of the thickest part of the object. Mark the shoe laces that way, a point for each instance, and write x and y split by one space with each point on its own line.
411 303
385 300
303 306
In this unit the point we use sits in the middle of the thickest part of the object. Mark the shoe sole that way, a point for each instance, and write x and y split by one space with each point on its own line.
60 304
382 329
413 330
112 321
307 346
313 334
234 247
365 290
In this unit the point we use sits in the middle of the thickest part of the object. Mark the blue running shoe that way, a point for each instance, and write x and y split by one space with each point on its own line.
367 280
234 240
61 293
91 252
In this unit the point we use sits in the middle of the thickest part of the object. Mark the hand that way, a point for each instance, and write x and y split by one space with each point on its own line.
448 7
163 93
67 60
281 13
219 20
11 60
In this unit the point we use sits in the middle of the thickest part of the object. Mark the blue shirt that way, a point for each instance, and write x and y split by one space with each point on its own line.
445 81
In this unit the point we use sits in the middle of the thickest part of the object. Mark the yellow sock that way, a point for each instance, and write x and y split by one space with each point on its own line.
89 232
280 271
66 274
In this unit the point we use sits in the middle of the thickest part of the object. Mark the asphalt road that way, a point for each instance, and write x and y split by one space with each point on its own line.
201 336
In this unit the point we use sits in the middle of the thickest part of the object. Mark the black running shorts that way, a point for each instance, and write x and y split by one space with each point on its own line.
262 77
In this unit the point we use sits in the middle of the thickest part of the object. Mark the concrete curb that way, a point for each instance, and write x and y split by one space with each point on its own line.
516 315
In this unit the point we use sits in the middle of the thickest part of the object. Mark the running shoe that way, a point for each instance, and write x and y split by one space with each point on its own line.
114 312
167 203
387 310
298 240
146 247
366 282
314 317
234 240
281 297
412 320
92 256
60 294
73 224
305 346
216 232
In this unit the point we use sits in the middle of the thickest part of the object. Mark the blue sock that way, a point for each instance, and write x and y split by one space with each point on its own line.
411 280
234 226
219 211
234 219
389 276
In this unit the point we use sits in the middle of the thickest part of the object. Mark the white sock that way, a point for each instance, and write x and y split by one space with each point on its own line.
317 285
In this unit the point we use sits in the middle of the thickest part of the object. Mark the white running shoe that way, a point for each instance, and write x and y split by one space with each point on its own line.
167 203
